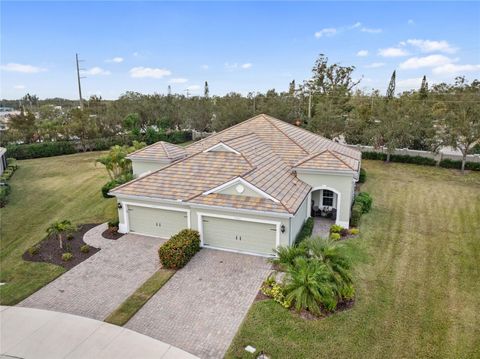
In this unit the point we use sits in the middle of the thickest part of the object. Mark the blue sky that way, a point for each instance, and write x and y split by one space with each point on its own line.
235 46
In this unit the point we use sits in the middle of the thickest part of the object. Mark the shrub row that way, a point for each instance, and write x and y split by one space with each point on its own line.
179 249
306 230
361 205
57 148
4 186
418 160
363 175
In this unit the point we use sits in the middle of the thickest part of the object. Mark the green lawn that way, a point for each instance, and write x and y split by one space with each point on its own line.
45 190
417 277
142 295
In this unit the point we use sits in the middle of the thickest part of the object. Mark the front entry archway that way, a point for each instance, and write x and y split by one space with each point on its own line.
325 202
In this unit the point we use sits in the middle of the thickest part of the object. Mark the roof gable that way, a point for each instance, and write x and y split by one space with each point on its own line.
159 151
241 187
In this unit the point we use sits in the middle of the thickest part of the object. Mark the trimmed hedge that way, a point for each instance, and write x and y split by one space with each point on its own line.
447 163
363 175
357 211
58 148
416 160
365 200
179 249
306 230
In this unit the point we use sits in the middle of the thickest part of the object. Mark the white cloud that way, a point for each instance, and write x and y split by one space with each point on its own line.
449 69
431 46
178 81
362 53
410 83
26 69
155 73
330 31
410 22
94 71
427 61
392 52
370 30
235 66
136 54
204 67
116 60
19 87
246 66
375 65
356 25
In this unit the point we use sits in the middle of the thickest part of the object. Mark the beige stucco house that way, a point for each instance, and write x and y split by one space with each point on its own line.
248 188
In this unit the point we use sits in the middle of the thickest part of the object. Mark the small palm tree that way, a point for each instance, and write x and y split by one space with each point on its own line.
333 256
286 255
308 286
59 228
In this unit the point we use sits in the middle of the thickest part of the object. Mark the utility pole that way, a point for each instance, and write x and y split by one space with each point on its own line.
187 91
79 84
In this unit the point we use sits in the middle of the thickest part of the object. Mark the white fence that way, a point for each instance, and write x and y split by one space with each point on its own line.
405 151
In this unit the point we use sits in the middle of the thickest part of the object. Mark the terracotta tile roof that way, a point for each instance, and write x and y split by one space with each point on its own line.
267 149
328 160
161 151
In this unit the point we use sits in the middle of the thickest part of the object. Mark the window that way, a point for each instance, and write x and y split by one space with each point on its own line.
327 198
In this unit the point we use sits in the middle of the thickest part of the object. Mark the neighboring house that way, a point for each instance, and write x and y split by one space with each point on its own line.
248 188
3 160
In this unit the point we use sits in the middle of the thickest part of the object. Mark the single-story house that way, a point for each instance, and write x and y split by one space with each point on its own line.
248 188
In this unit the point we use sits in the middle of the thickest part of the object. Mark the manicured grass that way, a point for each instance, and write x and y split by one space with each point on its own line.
417 277
132 304
45 190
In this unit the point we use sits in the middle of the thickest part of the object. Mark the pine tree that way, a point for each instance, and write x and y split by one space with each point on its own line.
391 87
206 92
424 88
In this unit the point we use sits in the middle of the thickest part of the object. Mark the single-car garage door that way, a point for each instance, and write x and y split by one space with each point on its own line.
239 235
156 222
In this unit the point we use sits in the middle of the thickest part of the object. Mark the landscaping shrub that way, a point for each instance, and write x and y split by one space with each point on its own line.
4 192
179 249
306 230
276 291
344 232
43 149
354 231
335 228
365 200
12 163
286 255
67 257
85 248
357 211
33 250
70 236
115 183
363 176
472 166
113 223
335 236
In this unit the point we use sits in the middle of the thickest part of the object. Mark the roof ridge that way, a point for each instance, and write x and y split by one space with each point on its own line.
308 158
341 159
165 149
225 129
143 148
287 136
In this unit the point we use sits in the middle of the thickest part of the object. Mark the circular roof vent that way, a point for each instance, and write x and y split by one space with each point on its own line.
239 188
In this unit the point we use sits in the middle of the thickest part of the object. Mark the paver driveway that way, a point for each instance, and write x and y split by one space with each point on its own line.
201 307
96 287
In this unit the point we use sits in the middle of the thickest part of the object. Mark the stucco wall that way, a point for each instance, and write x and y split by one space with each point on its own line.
142 167
340 183
284 237
298 220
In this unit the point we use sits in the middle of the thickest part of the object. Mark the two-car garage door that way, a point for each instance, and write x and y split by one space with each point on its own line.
240 235
156 222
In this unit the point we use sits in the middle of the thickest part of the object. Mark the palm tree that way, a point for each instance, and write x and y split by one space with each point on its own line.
286 255
333 256
59 228
308 285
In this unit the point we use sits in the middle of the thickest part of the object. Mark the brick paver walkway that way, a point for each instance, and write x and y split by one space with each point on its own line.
201 307
96 287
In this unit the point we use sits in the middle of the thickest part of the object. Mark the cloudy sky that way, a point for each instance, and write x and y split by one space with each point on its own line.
243 47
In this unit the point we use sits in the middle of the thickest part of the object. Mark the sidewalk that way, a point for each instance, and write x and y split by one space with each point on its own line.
36 333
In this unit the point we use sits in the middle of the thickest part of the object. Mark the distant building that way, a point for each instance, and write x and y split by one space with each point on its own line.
5 114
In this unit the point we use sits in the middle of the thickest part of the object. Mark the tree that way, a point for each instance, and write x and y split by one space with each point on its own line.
206 92
25 124
59 228
391 87
461 117
116 162
423 92
82 125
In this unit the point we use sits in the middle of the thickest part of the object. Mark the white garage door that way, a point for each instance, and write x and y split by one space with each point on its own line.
252 237
156 222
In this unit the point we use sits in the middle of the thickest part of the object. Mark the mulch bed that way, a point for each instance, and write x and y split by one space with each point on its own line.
108 234
50 251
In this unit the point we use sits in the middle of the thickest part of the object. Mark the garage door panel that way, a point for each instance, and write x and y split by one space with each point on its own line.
239 235
155 221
